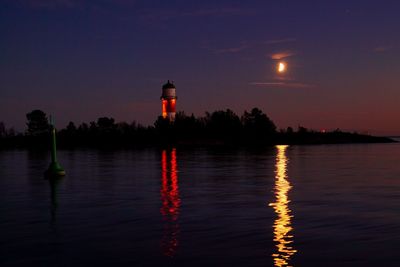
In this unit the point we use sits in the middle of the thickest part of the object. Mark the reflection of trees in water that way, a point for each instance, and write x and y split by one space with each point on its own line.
170 202
37 162
283 236
54 184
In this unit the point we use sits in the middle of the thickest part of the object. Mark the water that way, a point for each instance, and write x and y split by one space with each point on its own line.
333 205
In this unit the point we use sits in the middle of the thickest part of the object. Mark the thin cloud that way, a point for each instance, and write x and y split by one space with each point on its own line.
227 50
382 48
280 41
46 4
51 4
170 14
234 49
231 49
282 55
282 84
226 11
249 44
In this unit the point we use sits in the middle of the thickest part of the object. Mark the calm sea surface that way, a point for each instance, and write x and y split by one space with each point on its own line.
330 205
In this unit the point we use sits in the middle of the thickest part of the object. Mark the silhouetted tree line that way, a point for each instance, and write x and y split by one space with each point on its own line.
219 127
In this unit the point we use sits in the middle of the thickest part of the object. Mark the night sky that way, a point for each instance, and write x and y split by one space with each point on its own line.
80 60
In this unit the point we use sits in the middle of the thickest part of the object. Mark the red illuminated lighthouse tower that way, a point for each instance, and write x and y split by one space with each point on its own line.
168 101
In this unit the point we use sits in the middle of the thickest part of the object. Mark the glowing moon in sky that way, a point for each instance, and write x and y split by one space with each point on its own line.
281 67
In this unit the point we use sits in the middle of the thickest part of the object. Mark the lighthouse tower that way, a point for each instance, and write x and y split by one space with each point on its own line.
168 100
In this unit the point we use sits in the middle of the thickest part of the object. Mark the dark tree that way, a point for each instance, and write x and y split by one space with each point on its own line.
302 130
38 124
221 127
92 128
83 128
123 128
258 125
10 132
186 126
163 125
71 127
2 130
83 132
106 125
164 129
71 131
223 124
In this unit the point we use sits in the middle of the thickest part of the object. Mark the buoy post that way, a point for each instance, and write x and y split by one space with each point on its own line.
55 169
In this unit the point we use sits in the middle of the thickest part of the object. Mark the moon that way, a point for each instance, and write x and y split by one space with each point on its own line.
281 67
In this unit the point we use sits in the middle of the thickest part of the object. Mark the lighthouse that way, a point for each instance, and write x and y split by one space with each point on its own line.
168 101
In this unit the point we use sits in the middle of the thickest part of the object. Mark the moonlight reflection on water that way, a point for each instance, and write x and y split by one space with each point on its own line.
283 236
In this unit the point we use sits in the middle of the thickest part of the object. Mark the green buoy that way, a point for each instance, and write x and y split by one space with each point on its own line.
55 169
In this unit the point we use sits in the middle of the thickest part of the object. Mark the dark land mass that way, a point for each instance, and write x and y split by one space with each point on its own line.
219 128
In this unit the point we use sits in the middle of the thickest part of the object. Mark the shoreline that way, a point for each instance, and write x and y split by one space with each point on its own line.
21 144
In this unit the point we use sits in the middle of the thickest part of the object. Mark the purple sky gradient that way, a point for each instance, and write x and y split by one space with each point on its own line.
80 60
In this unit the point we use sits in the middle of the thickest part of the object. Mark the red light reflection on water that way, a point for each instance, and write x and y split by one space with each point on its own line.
170 202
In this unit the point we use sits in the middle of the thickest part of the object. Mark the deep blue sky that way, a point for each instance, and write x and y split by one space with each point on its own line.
80 60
